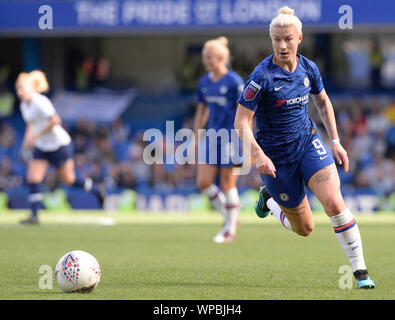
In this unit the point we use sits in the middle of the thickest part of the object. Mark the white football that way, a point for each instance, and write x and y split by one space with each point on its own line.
77 271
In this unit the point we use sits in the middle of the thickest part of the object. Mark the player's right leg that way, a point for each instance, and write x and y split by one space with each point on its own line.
298 219
285 197
206 175
67 176
36 171
64 162
228 181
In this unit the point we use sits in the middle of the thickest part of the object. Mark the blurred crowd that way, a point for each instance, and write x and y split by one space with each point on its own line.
367 131
113 154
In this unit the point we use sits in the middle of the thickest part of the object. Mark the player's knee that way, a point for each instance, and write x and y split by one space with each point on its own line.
305 229
68 179
33 179
202 184
333 205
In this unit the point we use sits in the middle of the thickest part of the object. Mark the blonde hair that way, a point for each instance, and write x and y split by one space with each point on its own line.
221 46
39 81
286 18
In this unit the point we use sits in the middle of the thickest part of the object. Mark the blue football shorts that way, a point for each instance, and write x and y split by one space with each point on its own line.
287 189
222 150
57 157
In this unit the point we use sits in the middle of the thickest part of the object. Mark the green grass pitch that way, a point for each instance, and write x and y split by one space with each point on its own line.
162 256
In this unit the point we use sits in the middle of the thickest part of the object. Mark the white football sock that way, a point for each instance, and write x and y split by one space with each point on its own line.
232 204
217 198
278 213
88 183
347 233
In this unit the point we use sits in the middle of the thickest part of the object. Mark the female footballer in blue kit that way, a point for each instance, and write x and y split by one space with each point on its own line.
217 95
51 143
288 149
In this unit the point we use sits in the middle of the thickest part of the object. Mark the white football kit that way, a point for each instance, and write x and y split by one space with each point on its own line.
37 113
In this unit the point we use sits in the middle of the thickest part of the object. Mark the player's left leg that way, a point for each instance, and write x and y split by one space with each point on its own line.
228 181
63 160
36 171
325 184
320 174
205 178
66 172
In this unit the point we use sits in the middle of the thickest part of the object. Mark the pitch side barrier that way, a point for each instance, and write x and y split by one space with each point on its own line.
186 200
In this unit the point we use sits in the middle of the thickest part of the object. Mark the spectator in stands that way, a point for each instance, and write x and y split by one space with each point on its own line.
378 176
185 176
242 64
376 59
189 72
102 72
81 143
377 121
358 117
8 178
7 137
6 102
362 144
119 132
139 168
126 178
101 151
84 127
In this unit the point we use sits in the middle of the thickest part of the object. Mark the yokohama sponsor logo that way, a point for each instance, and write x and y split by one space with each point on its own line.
304 99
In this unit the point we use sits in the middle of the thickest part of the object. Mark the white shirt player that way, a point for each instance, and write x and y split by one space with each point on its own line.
37 113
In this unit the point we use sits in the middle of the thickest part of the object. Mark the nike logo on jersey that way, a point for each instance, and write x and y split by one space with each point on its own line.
276 89
322 158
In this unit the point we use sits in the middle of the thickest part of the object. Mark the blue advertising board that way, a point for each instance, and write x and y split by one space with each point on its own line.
73 16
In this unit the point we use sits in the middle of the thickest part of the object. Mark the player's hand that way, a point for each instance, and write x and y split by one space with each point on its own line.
265 165
341 156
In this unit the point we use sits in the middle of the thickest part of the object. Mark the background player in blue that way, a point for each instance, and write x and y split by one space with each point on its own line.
217 95
288 149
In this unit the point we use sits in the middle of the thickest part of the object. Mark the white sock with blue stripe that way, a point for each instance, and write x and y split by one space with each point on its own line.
347 233
278 213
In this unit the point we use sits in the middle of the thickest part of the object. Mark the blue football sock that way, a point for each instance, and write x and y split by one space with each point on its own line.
35 198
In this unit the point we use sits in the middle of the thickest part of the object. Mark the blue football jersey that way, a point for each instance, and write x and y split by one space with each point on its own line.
279 99
221 99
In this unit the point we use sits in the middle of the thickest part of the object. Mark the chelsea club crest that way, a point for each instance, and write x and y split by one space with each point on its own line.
306 81
284 196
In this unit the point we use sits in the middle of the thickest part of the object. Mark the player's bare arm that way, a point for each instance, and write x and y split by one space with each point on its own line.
201 118
327 115
54 120
28 138
243 122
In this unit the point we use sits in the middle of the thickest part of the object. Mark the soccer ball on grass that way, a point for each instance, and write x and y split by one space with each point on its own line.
77 271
